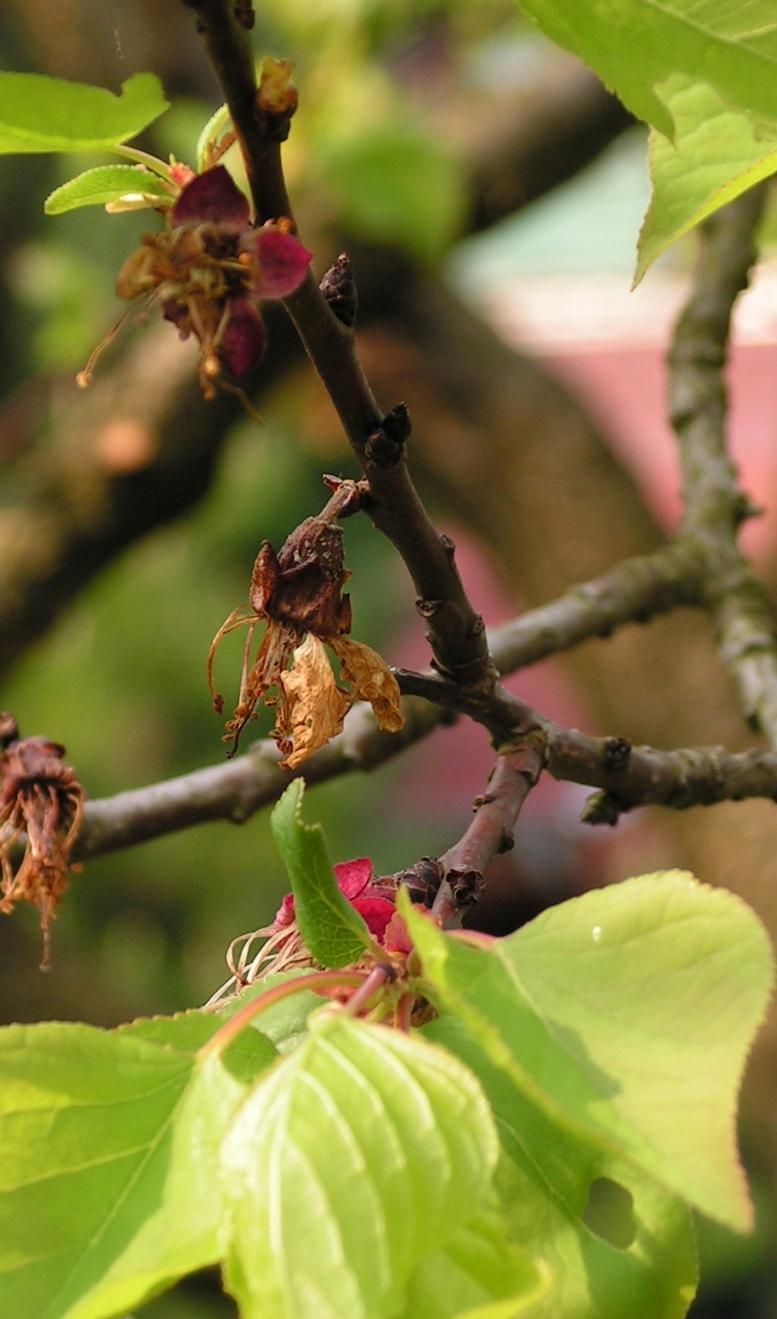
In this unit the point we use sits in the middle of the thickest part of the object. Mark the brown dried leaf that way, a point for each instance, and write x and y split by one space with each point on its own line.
314 706
372 680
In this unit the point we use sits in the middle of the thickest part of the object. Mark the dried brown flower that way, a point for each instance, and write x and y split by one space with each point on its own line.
41 799
299 592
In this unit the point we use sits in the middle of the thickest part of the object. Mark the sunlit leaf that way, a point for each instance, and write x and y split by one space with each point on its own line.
357 1158
716 154
331 928
627 1013
108 183
641 1264
635 45
108 1160
38 113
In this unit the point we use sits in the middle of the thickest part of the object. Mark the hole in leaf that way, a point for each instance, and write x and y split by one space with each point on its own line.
610 1212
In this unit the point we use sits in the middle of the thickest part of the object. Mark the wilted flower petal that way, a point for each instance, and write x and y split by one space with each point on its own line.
212 197
281 262
242 343
376 912
372 680
315 706
353 876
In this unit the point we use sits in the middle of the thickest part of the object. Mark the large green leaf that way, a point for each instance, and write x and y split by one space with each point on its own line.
108 1160
479 1273
716 155
356 1158
626 1014
108 183
333 931
634 45
38 113
640 1265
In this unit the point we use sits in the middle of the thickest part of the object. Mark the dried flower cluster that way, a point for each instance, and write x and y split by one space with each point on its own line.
212 269
42 802
299 592
282 947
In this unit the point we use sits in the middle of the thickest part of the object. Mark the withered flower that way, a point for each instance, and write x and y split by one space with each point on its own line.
299 592
41 799
212 269
281 945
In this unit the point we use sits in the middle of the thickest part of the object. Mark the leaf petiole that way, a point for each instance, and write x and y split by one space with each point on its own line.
153 163
316 980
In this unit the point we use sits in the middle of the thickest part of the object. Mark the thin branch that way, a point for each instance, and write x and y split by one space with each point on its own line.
632 592
715 505
627 776
455 631
491 832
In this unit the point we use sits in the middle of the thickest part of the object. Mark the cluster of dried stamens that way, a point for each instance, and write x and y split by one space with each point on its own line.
41 805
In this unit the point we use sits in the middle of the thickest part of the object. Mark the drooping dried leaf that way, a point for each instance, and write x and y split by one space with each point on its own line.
372 680
315 706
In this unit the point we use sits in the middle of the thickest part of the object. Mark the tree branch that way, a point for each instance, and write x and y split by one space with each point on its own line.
491 831
628 776
715 505
632 592
455 631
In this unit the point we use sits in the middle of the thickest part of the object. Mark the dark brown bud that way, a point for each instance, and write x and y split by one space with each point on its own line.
422 880
339 289
466 887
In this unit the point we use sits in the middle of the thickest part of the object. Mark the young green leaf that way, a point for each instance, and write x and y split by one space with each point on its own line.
332 929
38 113
717 153
637 1262
108 183
108 1160
627 1013
634 45
358 1157
219 123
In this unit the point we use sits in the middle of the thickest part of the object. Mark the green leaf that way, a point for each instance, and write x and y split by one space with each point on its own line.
627 1014
285 1023
108 1160
355 1159
478 1273
396 186
331 928
641 1266
635 45
108 183
219 123
716 155
38 113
